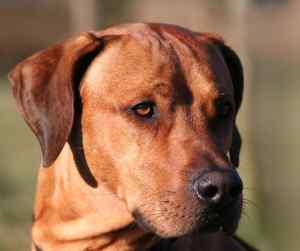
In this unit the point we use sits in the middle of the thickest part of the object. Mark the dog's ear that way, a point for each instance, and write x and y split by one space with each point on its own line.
236 71
43 88
237 76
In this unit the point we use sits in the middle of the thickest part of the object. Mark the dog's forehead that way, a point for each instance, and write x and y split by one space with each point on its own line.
147 56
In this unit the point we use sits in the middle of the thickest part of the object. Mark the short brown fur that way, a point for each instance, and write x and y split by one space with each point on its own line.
111 180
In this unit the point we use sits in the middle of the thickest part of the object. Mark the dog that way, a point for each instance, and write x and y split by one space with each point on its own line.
139 142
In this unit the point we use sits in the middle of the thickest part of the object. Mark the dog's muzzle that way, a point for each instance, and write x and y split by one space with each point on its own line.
219 191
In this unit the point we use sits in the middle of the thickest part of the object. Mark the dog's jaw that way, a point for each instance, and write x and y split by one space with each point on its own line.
60 224
67 229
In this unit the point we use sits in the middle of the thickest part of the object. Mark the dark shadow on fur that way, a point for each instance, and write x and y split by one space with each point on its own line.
164 245
37 248
75 141
183 94
75 138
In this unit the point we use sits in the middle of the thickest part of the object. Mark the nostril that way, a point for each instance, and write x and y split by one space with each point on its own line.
209 192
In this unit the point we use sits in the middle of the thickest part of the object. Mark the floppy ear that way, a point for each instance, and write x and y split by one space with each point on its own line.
237 76
236 71
43 88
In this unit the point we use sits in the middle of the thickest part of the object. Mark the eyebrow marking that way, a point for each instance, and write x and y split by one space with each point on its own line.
162 89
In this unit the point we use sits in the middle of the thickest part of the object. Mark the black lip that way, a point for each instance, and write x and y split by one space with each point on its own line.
213 220
210 228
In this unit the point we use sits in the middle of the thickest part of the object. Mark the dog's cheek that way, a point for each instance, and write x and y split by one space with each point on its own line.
114 150
98 149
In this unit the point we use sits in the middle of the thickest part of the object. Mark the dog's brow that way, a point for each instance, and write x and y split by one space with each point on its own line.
162 89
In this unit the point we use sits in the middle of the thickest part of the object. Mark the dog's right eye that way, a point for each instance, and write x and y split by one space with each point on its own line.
144 109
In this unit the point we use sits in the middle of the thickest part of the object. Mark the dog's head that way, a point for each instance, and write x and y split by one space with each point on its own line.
149 111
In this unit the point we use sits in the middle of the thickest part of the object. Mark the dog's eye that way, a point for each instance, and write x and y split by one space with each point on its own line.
144 109
223 109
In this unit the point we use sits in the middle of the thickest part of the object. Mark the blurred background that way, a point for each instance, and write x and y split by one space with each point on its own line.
265 33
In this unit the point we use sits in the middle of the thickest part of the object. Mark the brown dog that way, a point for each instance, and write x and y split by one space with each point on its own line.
137 126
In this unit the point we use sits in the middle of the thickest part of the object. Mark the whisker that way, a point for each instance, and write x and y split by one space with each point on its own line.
250 202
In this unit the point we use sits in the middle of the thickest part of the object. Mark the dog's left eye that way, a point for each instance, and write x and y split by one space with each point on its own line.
144 109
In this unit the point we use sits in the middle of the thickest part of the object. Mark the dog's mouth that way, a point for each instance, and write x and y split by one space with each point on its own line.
214 220
207 220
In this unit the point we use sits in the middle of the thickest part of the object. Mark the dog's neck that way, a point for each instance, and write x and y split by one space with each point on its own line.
69 215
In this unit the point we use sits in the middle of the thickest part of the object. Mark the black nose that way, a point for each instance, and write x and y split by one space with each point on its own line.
215 187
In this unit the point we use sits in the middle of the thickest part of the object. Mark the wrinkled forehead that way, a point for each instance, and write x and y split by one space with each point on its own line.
139 63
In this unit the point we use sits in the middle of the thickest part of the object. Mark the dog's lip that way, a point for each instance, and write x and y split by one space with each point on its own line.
213 220
211 227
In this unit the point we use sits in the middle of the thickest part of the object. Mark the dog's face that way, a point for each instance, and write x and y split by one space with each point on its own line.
157 119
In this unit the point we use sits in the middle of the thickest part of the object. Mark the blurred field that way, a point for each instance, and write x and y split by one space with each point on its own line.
19 157
266 35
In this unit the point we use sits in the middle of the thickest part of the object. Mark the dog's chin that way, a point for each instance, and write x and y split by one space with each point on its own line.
206 221
164 226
